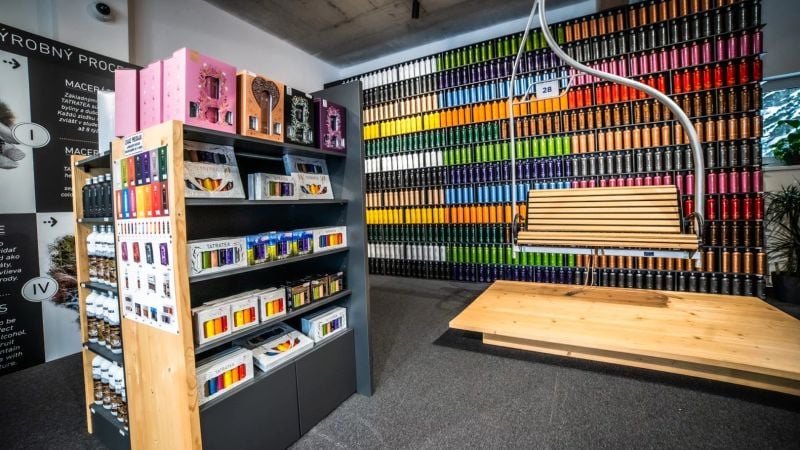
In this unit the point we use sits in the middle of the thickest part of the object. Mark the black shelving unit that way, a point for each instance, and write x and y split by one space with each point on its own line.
264 266
96 220
99 161
99 287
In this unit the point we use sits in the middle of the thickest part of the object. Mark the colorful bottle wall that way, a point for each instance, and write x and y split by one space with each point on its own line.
438 150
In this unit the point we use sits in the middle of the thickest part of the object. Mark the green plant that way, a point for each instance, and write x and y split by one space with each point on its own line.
783 222
787 148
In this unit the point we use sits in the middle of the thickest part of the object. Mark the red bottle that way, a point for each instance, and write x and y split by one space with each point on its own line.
711 208
677 85
688 207
718 78
707 83
747 208
735 208
697 80
687 81
723 208
661 83
730 74
744 72
758 205
758 70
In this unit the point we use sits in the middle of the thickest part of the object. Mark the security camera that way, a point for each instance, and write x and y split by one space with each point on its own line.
101 11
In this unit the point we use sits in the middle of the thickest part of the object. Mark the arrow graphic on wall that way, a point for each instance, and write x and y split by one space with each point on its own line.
14 63
52 221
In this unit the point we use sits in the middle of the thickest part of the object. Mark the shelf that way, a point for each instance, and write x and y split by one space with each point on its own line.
96 220
259 375
100 161
264 325
99 287
259 146
101 350
245 202
266 265
99 411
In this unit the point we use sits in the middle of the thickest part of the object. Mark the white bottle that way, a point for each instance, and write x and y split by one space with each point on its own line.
91 315
97 379
91 249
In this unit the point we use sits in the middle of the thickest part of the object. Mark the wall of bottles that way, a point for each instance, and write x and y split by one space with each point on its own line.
438 153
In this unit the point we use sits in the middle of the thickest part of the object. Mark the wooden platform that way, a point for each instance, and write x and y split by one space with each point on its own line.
740 340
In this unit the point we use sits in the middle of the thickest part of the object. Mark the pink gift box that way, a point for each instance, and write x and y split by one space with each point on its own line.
151 81
200 91
126 102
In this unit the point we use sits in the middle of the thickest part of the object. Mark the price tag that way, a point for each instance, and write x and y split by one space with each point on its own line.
546 89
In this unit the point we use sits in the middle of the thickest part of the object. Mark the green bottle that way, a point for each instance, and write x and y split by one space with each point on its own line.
559 151
566 144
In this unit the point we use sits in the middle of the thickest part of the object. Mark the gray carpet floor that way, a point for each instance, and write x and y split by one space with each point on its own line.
436 388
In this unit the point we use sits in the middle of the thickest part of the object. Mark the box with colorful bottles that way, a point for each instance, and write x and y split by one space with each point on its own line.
276 345
223 373
210 170
329 238
216 255
222 317
324 324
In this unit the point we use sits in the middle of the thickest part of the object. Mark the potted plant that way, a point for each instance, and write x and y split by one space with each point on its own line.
783 246
787 148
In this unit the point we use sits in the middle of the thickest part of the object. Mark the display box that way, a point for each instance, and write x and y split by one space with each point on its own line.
299 118
224 373
329 238
318 287
298 294
303 164
126 102
260 247
211 322
267 186
311 186
324 324
302 242
335 283
276 345
200 91
210 171
331 125
244 311
272 303
260 106
283 240
216 255
151 92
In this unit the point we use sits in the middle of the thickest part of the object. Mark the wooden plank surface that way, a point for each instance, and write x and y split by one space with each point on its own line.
736 339
160 366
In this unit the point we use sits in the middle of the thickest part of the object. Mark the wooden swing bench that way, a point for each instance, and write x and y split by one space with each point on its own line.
641 217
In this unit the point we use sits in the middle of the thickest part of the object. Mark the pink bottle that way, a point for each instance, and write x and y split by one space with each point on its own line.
604 183
744 178
679 183
689 183
722 180
711 183
648 180
126 102
200 91
733 182
722 53
758 180
666 180
592 183
629 181
151 83
694 54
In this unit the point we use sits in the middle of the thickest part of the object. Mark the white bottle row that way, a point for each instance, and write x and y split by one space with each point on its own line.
109 388
103 320
405 71
102 255
404 161
414 252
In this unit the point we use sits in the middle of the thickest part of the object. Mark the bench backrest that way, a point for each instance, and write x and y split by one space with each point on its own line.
640 209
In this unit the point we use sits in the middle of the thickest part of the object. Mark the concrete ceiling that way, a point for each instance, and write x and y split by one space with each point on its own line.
348 32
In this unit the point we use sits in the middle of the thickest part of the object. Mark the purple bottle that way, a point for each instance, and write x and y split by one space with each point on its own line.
745 48
722 50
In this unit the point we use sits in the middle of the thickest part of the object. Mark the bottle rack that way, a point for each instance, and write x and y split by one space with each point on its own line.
274 408
438 151
100 421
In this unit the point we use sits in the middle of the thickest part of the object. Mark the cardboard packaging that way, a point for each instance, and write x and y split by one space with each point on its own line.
151 91
260 106
331 125
299 118
126 102
200 91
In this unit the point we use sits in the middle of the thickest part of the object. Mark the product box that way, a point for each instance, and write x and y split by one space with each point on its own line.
303 164
298 112
210 171
335 283
225 372
302 242
318 287
310 186
283 240
331 125
211 322
298 294
267 186
151 91
126 102
329 238
324 324
200 91
260 248
272 303
260 106
106 120
216 255
276 345
244 311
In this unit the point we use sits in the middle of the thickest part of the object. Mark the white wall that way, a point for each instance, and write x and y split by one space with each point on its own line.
68 21
513 26
158 27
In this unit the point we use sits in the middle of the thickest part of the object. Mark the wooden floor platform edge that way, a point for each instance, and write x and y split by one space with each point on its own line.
751 379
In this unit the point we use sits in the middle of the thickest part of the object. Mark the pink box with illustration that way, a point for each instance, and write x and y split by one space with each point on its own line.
126 102
200 91
151 80
331 125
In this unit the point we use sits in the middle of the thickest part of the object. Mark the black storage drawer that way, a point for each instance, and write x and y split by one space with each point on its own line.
262 415
325 378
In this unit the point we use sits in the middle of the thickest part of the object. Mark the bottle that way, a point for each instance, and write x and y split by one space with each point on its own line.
91 240
97 363
91 317
86 194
